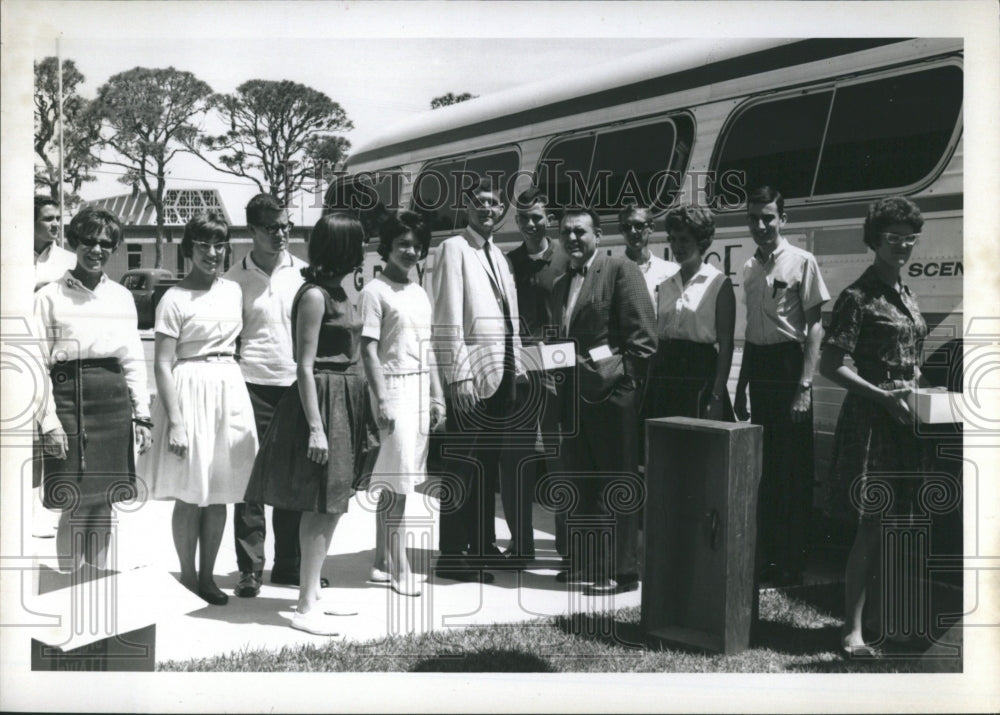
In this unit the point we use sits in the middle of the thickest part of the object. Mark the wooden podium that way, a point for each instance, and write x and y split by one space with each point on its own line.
700 532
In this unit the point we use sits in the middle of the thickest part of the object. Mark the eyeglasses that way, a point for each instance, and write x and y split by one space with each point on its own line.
276 228
91 242
636 226
218 247
899 239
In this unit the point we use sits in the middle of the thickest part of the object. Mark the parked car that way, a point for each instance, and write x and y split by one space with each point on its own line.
147 286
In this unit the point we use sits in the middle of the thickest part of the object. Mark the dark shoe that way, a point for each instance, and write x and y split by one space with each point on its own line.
609 587
281 578
469 576
213 596
249 585
518 560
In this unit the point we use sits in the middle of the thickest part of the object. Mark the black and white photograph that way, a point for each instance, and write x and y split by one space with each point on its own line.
499 356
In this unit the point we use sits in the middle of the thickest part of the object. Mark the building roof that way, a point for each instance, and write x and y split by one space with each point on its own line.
135 209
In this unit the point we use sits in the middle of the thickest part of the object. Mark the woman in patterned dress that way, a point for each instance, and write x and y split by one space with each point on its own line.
696 310
307 459
205 440
405 388
877 322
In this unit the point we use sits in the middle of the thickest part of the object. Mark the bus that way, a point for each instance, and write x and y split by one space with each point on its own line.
833 123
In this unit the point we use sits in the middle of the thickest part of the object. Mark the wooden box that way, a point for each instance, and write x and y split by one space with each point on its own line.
700 532
935 405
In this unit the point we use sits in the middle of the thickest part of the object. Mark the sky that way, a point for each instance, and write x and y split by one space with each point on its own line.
377 81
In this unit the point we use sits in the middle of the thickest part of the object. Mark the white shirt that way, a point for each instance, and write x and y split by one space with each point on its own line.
687 312
778 291
75 323
267 356
202 321
573 294
51 263
398 316
655 270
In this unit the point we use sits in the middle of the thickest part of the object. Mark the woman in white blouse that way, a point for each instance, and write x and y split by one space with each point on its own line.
696 311
97 401
205 438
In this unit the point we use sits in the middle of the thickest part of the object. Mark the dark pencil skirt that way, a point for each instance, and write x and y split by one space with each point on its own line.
94 407
680 381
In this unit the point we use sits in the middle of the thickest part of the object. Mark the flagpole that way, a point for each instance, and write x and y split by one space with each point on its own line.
60 119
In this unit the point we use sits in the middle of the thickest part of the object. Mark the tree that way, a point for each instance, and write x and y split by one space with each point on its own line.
80 131
446 100
146 117
277 132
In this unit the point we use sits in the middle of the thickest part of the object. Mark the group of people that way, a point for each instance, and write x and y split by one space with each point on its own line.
442 376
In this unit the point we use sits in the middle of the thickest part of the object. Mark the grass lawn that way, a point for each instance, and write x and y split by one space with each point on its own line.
798 634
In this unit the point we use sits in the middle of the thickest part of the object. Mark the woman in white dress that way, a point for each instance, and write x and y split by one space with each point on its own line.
405 389
205 440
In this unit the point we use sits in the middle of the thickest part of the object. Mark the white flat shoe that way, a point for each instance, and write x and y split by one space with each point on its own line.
313 622
378 576
407 588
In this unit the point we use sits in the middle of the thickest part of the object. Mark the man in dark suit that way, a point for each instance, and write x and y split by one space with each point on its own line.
602 304
536 264
475 314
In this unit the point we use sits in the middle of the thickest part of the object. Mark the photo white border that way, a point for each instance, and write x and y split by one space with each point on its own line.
25 23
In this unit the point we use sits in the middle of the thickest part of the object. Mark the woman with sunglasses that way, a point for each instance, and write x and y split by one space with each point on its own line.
96 400
877 322
205 440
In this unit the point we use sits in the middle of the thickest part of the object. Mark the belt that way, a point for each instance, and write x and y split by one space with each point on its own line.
208 357
878 374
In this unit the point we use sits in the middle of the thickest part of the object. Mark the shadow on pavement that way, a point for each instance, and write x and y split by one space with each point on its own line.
484 661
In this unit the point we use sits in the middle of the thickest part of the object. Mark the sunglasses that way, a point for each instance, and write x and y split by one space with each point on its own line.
90 242
897 239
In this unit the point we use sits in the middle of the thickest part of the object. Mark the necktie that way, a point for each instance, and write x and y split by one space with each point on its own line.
507 385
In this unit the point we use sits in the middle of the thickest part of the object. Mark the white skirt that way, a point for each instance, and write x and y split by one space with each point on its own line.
221 435
402 457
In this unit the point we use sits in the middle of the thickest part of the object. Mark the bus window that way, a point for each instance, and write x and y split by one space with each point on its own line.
777 143
641 164
890 132
876 135
436 188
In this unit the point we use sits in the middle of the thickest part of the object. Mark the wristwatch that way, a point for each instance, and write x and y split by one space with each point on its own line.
805 384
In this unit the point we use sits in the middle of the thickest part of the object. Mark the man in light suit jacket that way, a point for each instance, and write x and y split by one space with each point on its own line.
602 304
476 341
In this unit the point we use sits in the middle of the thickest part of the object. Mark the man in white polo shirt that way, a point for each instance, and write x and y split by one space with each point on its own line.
784 293
270 277
51 261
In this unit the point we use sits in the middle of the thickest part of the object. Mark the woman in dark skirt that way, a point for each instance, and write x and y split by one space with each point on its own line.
876 451
97 399
307 459
696 310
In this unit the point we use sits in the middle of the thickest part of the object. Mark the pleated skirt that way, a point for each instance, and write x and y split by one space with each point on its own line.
221 437
284 476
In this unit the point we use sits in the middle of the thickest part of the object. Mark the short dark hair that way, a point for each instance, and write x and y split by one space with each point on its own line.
765 195
632 208
399 224
89 222
697 221
259 205
529 197
581 211
483 184
41 202
887 211
204 226
336 247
